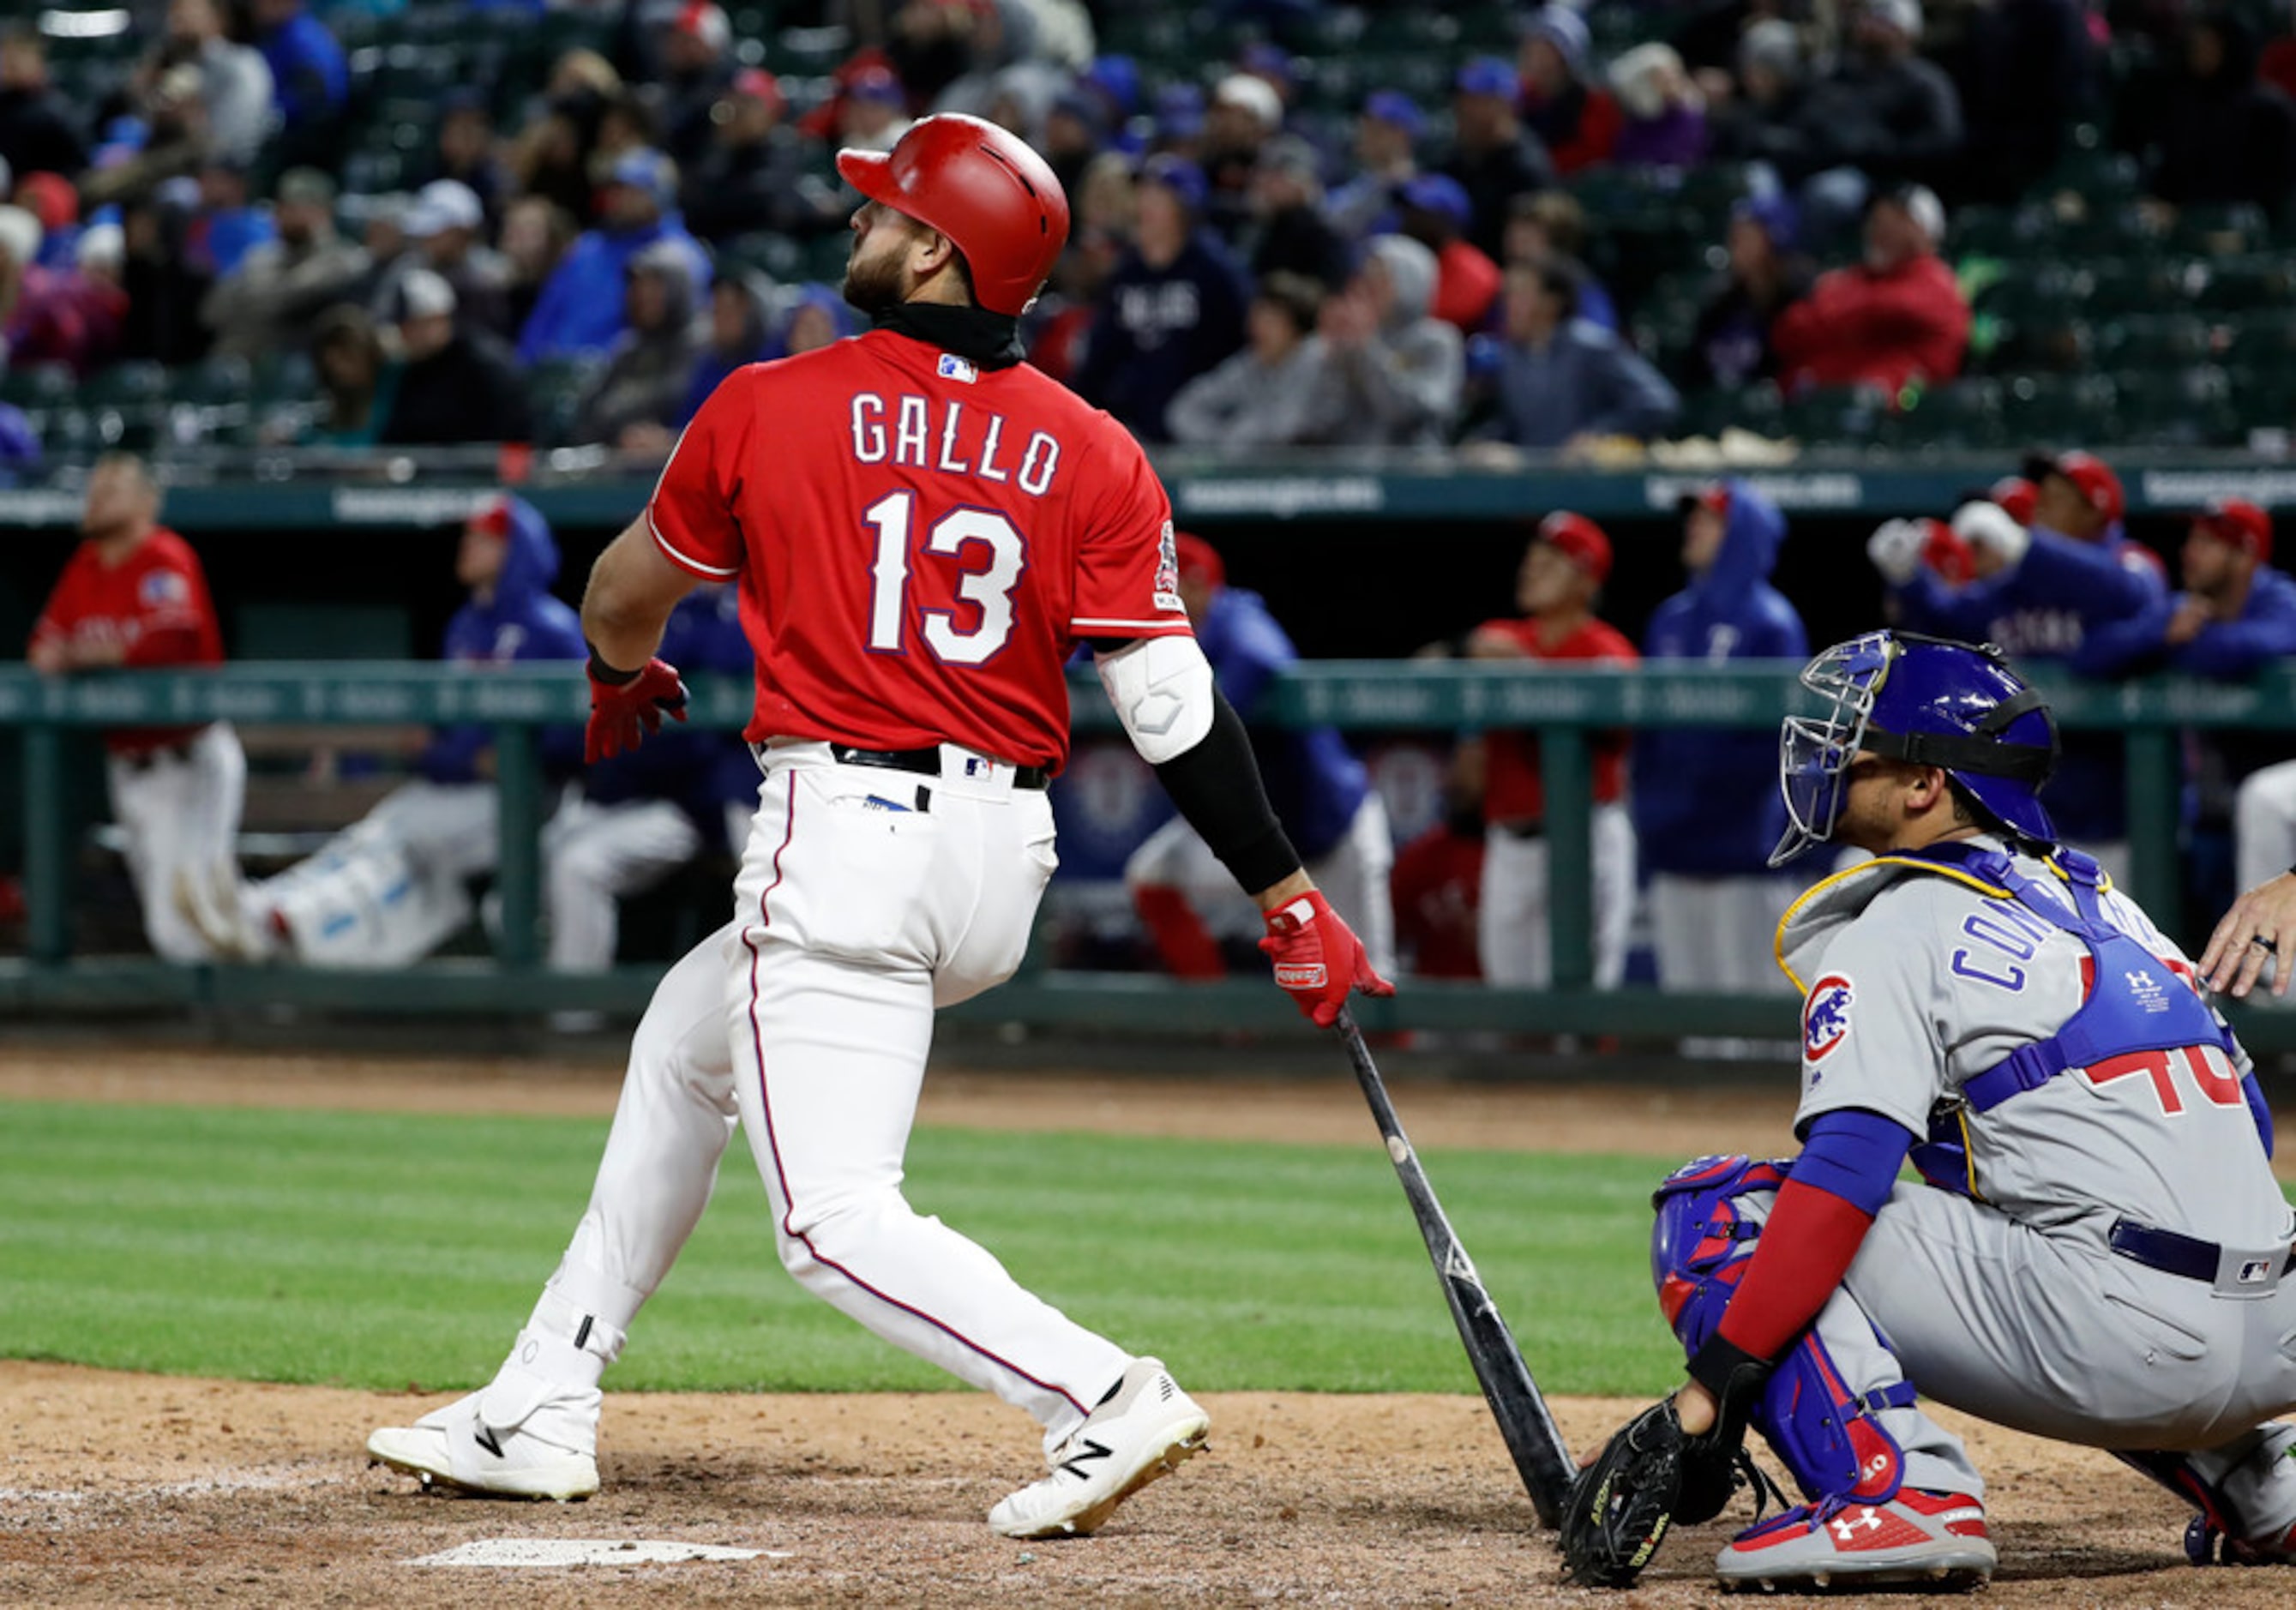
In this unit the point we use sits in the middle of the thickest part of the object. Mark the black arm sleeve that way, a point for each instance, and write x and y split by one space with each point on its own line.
1216 787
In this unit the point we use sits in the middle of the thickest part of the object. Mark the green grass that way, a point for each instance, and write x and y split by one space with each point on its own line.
380 1250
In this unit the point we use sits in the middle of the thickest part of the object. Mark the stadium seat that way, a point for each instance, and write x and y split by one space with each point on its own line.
2153 341
2187 407
2236 284
2226 230
1968 413
2060 408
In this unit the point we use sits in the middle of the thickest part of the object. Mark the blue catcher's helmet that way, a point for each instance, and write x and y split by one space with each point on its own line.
1928 701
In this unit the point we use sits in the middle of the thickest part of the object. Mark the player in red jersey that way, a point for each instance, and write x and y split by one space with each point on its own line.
922 528
1562 571
133 594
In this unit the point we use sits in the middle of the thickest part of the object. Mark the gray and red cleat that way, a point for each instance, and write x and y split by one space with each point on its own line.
1936 1540
2206 1545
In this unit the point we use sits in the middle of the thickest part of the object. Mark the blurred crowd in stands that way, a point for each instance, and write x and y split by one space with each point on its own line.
263 223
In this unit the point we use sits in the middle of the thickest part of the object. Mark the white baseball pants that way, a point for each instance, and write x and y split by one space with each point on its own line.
1512 922
1719 934
180 814
593 856
1353 876
866 898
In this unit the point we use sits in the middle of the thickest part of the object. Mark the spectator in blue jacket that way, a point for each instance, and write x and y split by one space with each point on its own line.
393 886
647 812
2042 594
310 80
1324 797
1706 804
1560 383
1173 308
579 312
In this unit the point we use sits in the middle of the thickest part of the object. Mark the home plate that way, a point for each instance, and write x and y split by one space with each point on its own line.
563 1551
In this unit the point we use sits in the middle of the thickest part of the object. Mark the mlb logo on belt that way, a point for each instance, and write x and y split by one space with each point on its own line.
974 766
2255 1271
953 367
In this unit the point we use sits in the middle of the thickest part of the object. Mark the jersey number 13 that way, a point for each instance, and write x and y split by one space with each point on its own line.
991 556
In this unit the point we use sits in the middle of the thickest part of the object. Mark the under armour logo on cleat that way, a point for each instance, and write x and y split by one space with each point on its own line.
1845 1527
486 1440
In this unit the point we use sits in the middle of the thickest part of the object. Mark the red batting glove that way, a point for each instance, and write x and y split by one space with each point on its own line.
1318 958
622 713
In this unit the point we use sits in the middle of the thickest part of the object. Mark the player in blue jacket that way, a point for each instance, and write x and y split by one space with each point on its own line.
1706 803
395 884
1319 789
2042 591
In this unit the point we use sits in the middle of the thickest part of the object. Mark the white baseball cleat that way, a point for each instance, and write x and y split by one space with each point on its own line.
520 1437
1144 1427
1919 1540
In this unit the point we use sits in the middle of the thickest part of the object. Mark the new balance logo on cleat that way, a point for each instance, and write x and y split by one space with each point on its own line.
485 1438
1075 1462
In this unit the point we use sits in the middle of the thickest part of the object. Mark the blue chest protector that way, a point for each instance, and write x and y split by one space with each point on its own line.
2134 1003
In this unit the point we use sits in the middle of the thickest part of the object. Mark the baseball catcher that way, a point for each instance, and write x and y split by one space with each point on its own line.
2098 1251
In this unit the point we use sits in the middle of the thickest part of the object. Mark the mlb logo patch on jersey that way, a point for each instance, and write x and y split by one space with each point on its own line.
1825 1016
159 589
1168 571
953 367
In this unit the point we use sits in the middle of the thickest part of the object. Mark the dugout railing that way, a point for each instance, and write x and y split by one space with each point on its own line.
1565 707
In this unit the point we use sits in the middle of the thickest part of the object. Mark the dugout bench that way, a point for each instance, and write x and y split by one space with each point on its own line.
1565 706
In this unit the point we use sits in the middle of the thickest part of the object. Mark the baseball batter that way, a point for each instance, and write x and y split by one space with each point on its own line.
2099 1253
922 528
133 594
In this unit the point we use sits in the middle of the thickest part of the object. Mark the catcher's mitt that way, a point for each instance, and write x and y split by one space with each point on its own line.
1651 1474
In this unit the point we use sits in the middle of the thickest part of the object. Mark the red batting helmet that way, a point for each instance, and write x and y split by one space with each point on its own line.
984 189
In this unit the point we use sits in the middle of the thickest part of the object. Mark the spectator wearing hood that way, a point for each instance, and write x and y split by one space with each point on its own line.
310 80
636 396
38 130
165 286
1289 232
281 287
1897 317
1391 371
754 175
1172 310
1265 394
429 837
1884 109
225 224
457 385
2211 133
1563 102
1731 345
1665 112
697 69
1706 804
1387 136
1560 383
579 313
740 333
816 317
1435 212
1494 156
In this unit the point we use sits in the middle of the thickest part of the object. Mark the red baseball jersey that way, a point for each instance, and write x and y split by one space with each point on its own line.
919 542
155 602
1513 789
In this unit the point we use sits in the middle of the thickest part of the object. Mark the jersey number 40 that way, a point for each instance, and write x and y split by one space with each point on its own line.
986 575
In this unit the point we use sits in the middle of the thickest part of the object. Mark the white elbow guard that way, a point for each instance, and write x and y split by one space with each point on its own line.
1162 691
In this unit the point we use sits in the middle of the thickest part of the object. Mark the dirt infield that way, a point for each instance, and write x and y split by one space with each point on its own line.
124 1489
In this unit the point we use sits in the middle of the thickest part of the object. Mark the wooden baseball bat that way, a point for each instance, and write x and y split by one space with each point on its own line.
1540 1456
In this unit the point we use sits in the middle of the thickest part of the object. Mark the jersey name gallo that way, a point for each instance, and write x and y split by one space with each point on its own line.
936 433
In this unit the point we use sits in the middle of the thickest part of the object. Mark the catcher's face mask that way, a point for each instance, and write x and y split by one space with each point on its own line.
1815 752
